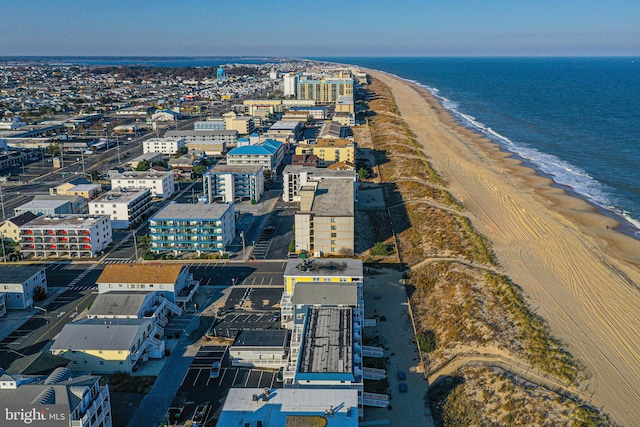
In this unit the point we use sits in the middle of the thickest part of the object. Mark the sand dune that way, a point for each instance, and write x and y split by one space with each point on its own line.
582 277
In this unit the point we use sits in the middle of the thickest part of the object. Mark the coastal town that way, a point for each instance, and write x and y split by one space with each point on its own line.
252 245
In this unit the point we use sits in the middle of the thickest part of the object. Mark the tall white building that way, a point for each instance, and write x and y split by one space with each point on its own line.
161 184
125 206
290 83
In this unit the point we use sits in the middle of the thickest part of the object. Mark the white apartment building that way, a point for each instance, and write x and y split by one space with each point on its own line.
65 236
166 146
19 284
125 206
160 183
295 177
80 398
290 84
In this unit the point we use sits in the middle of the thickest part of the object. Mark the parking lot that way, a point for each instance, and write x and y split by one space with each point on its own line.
199 387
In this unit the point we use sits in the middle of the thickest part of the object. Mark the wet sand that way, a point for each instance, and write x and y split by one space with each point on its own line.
577 272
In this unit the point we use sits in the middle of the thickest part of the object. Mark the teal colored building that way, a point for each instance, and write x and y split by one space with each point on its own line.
187 227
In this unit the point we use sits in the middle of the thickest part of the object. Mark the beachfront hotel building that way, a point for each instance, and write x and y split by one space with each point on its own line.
65 236
330 150
81 398
229 183
125 206
161 184
199 228
166 146
290 84
324 91
297 176
323 306
324 224
18 284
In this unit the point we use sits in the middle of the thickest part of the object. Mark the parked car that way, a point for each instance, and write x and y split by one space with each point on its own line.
215 370
401 376
199 416
402 387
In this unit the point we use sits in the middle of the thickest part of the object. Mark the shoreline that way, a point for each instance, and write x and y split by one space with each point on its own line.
624 225
579 275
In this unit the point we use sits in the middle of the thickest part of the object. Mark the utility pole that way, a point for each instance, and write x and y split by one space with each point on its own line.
2 201
46 318
244 246
4 254
135 244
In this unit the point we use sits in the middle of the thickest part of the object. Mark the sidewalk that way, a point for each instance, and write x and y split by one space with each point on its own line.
14 319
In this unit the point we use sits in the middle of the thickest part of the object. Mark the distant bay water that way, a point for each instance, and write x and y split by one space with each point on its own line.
144 61
576 120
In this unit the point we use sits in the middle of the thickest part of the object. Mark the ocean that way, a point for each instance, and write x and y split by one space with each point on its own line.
575 120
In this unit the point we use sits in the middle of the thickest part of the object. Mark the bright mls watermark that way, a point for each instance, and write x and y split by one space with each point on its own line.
34 415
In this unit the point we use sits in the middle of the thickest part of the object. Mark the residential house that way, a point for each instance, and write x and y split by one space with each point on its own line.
18 284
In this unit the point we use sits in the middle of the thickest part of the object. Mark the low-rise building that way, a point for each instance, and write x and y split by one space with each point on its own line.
212 123
166 146
285 131
117 345
148 157
330 150
88 191
229 183
269 154
198 228
45 207
325 222
260 349
19 285
173 282
10 229
295 177
161 184
80 399
243 124
65 236
125 206
229 137
78 202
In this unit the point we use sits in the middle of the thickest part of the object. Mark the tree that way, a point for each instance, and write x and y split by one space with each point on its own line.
363 173
143 165
183 150
53 149
95 176
199 170
39 294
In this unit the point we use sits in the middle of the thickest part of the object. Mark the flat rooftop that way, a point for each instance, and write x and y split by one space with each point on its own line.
335 267
43 204
220 168
291 407
143 175
268 338
118 303
66 221
326 293
121 195
315 173
285 125
334 197
192 211
18 274
328 342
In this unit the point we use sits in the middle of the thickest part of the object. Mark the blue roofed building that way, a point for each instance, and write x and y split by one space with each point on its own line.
268 154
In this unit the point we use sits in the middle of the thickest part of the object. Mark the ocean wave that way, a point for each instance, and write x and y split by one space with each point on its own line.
561 171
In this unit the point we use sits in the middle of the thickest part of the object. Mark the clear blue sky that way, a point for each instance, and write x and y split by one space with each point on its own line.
322 28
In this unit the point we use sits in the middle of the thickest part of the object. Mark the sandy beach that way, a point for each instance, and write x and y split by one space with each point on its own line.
576 271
